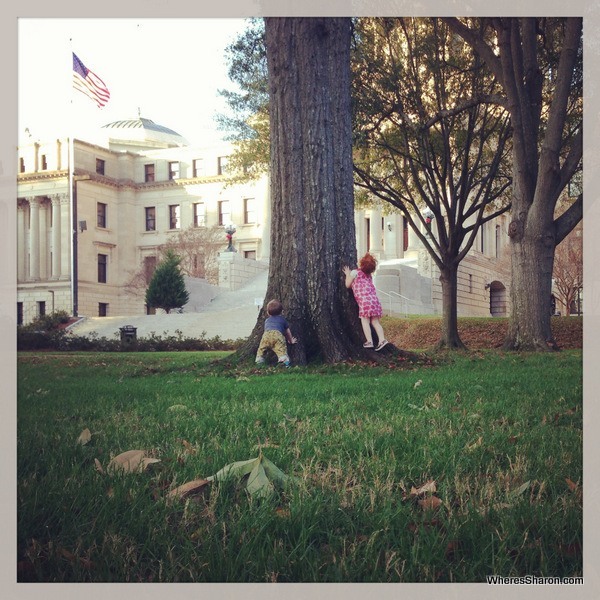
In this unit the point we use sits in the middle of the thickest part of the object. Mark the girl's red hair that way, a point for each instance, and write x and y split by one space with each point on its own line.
367 264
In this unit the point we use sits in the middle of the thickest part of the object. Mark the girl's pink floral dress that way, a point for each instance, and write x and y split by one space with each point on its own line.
366 295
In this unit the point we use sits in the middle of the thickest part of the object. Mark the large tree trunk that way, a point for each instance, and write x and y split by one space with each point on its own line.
532 251
312 228
450 338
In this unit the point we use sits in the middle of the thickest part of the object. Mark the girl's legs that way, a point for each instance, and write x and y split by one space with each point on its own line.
379 330
366 326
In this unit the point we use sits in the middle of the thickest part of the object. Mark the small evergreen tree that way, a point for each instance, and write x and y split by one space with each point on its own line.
167 287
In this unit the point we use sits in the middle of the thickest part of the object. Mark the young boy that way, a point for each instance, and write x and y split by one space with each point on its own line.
277 332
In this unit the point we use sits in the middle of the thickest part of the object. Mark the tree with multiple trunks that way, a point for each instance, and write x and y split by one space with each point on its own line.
538 63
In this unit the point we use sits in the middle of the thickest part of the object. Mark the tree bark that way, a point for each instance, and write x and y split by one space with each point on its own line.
450 337
312 226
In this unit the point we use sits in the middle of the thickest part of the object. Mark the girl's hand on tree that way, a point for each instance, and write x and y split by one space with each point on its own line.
293 340
346 270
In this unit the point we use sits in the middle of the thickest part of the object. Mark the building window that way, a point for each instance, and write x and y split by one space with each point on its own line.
249 210
101 214
250 254
102 264
470 283
102 309
149 267
148 173
224 212
44 163
497 241
100 164
481 238
199 214
174 216
19 313
150 218
41 308
198 167
173 170
222 165
21 165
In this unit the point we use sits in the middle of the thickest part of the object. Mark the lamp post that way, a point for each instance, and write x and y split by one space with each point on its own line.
229 231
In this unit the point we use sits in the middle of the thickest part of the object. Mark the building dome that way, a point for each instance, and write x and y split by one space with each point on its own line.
141 134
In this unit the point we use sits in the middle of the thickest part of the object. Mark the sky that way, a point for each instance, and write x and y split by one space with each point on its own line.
164 69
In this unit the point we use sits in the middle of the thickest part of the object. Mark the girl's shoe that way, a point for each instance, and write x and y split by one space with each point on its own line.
381 345
368 345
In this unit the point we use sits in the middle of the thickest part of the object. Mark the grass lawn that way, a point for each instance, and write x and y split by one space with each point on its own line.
451 468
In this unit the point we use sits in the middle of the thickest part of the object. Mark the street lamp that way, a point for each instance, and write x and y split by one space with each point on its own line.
229 231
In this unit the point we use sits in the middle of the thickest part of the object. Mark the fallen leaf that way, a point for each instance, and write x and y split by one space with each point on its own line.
132 461
188 447
177 407
98 466
417 384
522 488
430 503
191 488
262 475
429 486
475 444
84 437
574 487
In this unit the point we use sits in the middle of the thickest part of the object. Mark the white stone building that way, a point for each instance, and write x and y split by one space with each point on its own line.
138 183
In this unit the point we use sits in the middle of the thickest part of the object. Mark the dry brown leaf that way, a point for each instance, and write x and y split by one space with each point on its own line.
417 384
429 486
188 489
572 486
430 503
84 437
284 513
188 447
475 444
132 461
98 466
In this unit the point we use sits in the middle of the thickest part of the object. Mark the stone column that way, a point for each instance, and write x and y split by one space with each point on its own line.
44 249
359 225
414 243
66 236
392 232
375 233
56 241
34 238
21 241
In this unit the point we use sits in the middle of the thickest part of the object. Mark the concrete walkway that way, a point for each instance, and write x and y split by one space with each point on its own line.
230 315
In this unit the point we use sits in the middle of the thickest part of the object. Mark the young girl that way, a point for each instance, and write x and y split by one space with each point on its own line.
369 307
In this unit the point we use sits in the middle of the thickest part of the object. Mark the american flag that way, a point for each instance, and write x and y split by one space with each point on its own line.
88 83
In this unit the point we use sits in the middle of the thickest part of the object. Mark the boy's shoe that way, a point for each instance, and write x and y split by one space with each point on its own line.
287 364
368 345
382 344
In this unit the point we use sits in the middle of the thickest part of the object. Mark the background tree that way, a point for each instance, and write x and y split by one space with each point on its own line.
568 270
198 249
538 62
312 232
167 287
429 139
247 121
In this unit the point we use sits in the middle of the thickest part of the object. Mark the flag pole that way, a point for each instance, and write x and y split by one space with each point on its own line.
72 203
